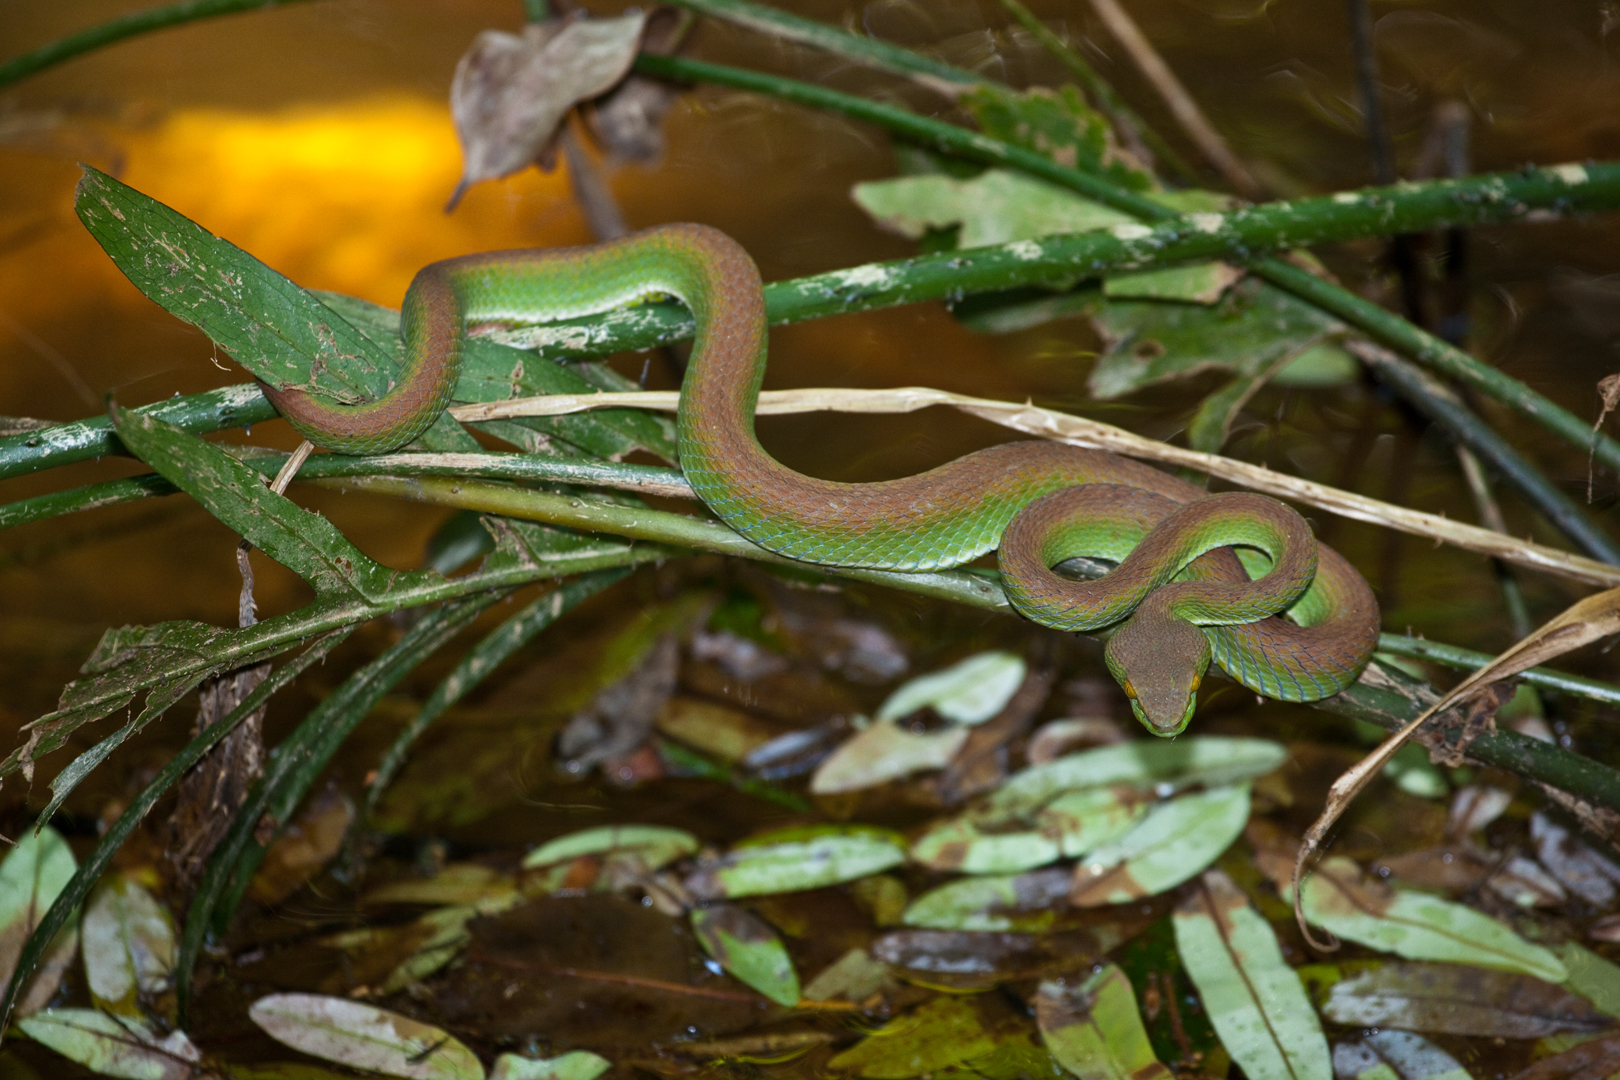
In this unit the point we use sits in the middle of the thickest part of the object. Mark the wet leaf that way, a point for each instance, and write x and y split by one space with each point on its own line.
574 1065
113 1046
1173 843
940 1034
33 873
999 902
1448 999
748 949
1591 976
855 976
457 883
1401 1054
885 751
969 692
391 958
1474 807
1595 1060
1522 881
364 1037
308 843
1094 1030
511 91
1584 871
970 959
1254 999
655 845
1162 766
129 944
718 730
1177 1023
834 856
1416 925
1068 827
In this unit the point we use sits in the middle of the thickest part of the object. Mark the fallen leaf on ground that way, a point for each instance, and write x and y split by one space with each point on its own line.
364 1037
1448 999
1094 1030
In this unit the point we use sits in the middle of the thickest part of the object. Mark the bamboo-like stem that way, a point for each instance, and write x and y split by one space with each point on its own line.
1054 262
1366 316
1181 104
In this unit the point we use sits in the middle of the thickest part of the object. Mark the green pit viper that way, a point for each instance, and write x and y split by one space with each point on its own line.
1179 597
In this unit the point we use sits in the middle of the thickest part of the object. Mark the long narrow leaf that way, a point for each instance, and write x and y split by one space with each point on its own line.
296 763
303 541
89 871
482 659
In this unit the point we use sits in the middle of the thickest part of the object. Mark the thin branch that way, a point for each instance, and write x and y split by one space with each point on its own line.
1078 431
1177 99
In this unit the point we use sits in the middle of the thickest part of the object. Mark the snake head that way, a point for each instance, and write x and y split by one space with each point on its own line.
1159 660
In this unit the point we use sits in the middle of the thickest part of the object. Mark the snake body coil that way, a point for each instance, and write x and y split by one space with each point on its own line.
940 518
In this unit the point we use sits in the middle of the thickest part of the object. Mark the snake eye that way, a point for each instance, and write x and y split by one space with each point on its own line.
1130 691
1197 681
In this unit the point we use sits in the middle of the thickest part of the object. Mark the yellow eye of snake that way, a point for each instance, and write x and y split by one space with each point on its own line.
1130 691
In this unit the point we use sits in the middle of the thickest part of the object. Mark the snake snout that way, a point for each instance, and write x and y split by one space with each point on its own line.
1159 660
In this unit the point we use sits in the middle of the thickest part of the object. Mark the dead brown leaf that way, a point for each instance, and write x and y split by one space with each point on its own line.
1608 389
511 91
1593 1060
1588 620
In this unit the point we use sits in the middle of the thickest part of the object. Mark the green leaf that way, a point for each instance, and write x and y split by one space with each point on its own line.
1253 332
33 874
1057 124
885 751
574 1065
1200 283
1026 902
129 946
968 692
996 207
1450 999
1416 925
364 1037
277 330
301 540
1591 976
944 1032
1162 766
748 949
1254 999
122 1047
1094 1029
1174 842
795 865
1067 827
656 845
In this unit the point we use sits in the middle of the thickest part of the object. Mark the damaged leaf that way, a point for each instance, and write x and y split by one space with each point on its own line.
998 902
1094 1029
1379 1055
748 949
129 944
885 751
828 857
35 871
114 1046
1174 842
655 845
511 91
1447 999
969 692
364 1037
1416 925
1254 999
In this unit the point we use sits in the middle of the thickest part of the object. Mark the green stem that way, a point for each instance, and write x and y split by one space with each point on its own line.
89 872
1437 402
1366 316
293 766
1390 705
940 76
109 33
1468 660
1050 262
